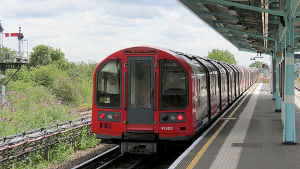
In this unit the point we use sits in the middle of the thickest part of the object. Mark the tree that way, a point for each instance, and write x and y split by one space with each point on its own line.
57 55
222 55
43 55
257 64
12 54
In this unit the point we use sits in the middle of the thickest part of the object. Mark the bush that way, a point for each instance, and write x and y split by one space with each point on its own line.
43 95
87 141
86 88
29 108
45 75
66 90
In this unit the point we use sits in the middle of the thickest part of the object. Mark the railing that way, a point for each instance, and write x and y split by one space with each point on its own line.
17 147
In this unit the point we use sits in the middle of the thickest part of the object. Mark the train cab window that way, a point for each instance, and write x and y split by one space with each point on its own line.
173 86
108 85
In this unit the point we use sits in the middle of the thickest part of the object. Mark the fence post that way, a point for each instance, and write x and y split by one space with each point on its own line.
46 152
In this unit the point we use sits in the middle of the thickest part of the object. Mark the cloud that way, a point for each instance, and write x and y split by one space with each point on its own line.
93 29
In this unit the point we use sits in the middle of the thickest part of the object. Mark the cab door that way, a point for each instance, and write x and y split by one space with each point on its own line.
140 92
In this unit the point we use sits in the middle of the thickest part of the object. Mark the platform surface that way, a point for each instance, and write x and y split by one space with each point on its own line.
249 136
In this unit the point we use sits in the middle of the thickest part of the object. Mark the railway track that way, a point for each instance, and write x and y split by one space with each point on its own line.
112 159
102 159
124 161
115 160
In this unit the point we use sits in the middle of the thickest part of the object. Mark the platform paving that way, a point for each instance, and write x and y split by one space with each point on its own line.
266 131
252 139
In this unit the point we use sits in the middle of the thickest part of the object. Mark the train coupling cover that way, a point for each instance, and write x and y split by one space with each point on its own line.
138 148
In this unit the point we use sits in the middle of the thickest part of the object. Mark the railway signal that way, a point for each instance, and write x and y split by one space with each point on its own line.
6 63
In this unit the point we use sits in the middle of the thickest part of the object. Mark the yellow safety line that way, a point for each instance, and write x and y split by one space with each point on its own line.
213 137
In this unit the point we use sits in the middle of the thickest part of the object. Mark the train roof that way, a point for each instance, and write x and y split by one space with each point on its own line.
185 56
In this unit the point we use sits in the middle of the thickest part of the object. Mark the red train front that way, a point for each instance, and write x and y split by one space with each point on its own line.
144 94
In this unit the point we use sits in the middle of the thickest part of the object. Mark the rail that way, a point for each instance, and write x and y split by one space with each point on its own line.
113 159
102 159
16 147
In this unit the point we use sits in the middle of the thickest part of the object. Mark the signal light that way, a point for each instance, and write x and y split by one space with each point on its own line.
180 117
172 117
102 116
116 117
109 116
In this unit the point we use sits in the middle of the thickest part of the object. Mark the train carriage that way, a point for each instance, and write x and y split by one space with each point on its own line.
143 95
230 82
222 84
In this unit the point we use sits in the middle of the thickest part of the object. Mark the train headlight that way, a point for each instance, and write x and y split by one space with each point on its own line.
172 117
109 116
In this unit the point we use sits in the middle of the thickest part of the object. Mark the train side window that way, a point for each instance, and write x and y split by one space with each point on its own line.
108 85
173 86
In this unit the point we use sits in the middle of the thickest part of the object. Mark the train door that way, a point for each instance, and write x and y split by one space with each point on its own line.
140 91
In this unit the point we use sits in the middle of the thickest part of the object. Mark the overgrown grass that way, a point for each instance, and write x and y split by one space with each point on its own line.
58 153
87 141
47 93
41 96
30 108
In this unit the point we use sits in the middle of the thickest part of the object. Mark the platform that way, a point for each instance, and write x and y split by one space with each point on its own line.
248 136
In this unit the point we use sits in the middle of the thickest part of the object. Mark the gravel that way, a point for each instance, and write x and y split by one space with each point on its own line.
82 155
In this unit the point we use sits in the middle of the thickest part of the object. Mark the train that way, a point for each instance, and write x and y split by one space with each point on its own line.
144 95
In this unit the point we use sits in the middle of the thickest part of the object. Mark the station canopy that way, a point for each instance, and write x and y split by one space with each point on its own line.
250 25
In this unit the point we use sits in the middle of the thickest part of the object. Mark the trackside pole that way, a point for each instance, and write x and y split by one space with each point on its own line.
2 85
6 64
2 69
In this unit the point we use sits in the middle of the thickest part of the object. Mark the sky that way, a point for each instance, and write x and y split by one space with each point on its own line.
91 30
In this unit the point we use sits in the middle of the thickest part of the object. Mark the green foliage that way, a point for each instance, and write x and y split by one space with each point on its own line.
30 108
73 85
35 161
222 55
66 89
45 75
257 64
87 141
44 55
59 152
86 89
82 74
12 54
43 94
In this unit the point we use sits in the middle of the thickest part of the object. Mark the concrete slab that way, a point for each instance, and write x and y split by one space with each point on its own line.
266 129
260 148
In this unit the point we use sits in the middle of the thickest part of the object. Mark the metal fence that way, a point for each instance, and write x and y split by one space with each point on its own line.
17 147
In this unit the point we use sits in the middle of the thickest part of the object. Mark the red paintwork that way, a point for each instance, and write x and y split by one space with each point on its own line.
117 128
11 34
